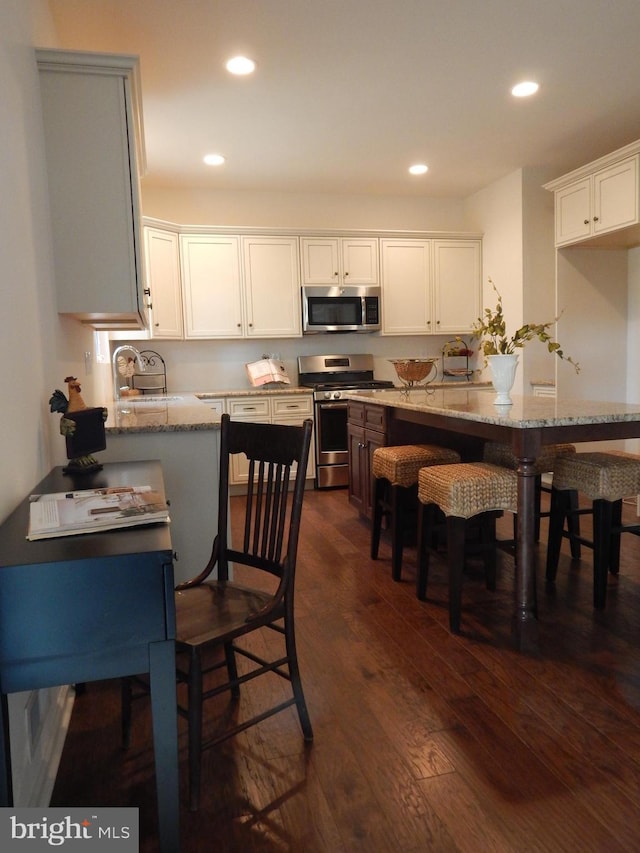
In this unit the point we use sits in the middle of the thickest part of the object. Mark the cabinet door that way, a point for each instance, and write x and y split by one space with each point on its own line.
357 466
573 212
406 287
615 196
272 287
163 281
253 409
360 260
320 260
457 285
293 411
89 121
211 279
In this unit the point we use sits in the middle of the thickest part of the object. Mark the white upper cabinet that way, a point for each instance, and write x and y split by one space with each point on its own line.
340 260
212 286
93 143
457 285
407 304
272 287
240 286
162 270
430 286
602 198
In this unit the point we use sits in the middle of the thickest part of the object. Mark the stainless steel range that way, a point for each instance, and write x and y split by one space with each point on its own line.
330 376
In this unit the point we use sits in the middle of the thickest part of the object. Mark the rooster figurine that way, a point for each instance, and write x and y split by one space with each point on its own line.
82 427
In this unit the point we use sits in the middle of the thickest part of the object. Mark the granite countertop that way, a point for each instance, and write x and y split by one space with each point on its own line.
525 412
262 391
179 412
171 413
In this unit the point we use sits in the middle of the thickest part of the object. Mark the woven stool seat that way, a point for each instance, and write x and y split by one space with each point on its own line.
608 476
395 478
462 491
502 454
469 488
605 477
400 464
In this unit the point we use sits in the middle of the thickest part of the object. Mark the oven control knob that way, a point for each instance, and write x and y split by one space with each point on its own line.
327 395
336 395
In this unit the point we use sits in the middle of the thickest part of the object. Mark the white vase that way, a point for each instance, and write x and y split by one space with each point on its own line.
503 374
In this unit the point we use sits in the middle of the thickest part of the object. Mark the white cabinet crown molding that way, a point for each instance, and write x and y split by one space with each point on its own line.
594 166
261 231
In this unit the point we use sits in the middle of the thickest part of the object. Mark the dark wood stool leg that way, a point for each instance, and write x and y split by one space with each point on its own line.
573 523
488 540
423 548
456 530
397 532
557 515
376 524
538 499
602 516
614 553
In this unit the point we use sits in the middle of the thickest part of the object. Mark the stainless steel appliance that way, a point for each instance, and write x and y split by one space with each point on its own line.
331 376
327 309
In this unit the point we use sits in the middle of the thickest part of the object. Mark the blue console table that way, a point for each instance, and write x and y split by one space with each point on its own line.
84 608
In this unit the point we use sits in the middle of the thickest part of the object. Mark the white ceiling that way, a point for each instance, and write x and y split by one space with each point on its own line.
349 93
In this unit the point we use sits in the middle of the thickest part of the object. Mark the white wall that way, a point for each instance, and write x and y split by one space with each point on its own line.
592 283
302 211
37 349
497 211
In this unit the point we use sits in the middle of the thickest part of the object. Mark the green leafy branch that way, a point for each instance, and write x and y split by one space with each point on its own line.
493 328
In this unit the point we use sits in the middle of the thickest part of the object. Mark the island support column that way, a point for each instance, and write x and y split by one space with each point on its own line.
525 620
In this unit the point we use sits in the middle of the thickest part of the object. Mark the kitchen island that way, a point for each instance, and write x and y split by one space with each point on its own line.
526 425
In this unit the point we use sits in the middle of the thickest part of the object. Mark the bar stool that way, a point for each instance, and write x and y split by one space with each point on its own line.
462 491
502 454
605 478
395 477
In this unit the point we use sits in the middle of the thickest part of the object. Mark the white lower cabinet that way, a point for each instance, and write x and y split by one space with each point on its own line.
430 286
276 409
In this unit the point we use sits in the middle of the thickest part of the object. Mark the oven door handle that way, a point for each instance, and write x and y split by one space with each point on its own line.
333 405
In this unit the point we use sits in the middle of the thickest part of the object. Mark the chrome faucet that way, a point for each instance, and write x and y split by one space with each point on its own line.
137 357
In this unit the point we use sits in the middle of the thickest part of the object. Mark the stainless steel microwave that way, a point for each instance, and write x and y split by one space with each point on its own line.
340 309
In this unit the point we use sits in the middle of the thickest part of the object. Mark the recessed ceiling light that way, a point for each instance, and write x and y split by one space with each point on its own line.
524 89
418 169
240 65
213 159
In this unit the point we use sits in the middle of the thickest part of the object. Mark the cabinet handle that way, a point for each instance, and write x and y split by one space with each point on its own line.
437 322
239 325
346 274
595 218
156 325
586 222
147 291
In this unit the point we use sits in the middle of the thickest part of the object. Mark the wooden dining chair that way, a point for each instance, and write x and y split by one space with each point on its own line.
214 613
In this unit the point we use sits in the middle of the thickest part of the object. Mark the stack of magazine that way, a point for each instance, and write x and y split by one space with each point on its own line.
94 510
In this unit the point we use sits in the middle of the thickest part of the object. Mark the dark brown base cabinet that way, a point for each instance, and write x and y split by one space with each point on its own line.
366 430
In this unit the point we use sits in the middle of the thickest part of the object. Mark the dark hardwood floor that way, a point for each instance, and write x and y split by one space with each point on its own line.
424 741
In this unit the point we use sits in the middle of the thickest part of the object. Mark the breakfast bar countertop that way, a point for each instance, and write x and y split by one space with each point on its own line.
526 412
